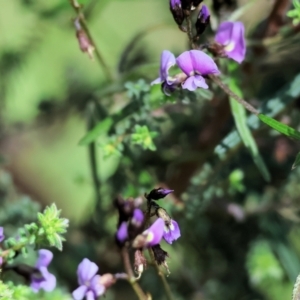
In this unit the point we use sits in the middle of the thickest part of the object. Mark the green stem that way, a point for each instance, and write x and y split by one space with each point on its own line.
162 276
131 278
229 92
77 8
93 156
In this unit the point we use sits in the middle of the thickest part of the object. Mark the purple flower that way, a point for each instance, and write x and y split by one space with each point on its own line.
122 233
167 60
231 36
44 280
154 233
137 218
171 232
196 64
2 236
89 283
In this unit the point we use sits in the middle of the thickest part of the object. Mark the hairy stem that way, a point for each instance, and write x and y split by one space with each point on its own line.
98 54
229 92
161 276
190 31
131 278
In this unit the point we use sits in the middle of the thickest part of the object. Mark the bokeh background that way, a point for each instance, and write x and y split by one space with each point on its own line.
240 232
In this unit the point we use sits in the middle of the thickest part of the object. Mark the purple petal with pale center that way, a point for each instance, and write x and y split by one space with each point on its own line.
155 232
122 232
86 271
171 232
196 62
231 35
80 292
44 259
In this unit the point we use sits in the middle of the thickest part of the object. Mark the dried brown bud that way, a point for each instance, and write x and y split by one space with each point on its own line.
140 262
160 256
85 43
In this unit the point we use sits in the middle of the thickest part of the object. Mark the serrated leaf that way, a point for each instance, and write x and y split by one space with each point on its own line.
280 127
297 161
101 128
240 118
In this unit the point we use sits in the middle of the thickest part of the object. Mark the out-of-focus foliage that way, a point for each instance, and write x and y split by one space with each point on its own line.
72 136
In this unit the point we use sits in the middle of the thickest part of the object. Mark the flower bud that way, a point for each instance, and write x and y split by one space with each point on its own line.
177 12
140 262
85 43
159 193
202 20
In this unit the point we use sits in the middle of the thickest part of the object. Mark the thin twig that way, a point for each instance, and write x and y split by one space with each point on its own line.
93 156
229 92
131 278
162 276
77 8
190 31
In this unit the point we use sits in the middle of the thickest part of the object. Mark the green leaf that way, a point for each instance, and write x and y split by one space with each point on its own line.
101 128
282 128
240 118
297 161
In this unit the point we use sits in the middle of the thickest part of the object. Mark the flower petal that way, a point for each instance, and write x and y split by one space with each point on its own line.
155 232
90 296
86 271
231 34
189 84
49 283
239 50
80 292
167 60
203 64
122 232
224 33
2 236
138 217
96 286
196 61
185 63
172 232
44 259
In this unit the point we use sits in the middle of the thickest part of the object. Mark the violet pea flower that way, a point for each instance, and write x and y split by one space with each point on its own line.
167 60
171 232
196 64
231 36
89 283
44 280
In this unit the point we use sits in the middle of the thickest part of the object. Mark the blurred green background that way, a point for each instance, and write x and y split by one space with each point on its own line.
240 234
